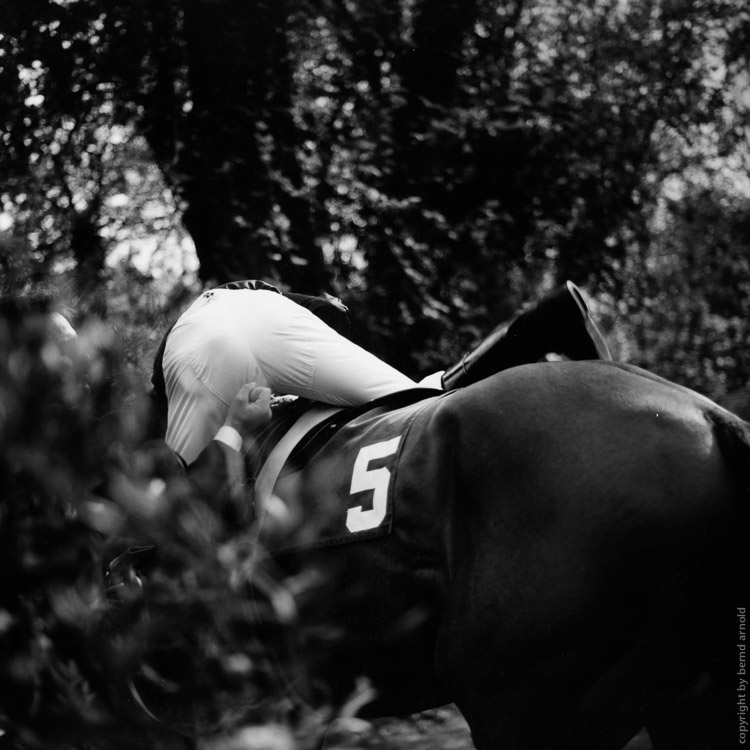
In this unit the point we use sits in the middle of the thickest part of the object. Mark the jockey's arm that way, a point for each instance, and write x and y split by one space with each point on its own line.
250 409
222 462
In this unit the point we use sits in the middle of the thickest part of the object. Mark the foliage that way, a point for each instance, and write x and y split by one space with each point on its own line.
437 163
87 507
695 280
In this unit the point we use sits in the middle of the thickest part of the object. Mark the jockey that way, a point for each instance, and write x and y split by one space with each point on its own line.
249 332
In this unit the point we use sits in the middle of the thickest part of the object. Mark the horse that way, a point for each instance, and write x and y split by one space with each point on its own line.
562 558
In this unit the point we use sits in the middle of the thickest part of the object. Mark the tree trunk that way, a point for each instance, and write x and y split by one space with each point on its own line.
89 253
232 157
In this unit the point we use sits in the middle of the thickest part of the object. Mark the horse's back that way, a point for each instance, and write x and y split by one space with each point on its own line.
586 427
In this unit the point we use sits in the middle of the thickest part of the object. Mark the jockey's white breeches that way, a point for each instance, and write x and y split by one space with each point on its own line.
229 337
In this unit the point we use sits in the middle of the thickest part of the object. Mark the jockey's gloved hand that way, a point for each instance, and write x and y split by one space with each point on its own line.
250 409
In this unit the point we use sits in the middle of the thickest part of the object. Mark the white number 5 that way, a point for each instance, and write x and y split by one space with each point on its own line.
364 478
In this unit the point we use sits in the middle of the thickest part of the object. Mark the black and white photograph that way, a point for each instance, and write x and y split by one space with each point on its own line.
374 374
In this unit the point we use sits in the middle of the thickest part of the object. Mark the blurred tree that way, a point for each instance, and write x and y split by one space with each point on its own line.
438 162
89 655
499 148
687 302
68 139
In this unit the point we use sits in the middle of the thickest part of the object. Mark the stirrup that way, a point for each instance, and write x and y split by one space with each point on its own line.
559 323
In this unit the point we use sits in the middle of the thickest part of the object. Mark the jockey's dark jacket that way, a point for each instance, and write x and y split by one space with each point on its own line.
323 308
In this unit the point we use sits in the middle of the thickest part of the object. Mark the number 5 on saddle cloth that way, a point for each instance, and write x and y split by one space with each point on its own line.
334 470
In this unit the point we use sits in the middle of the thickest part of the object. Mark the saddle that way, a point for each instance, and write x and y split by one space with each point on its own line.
559 323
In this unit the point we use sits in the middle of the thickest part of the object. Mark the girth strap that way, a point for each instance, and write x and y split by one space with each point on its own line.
269 472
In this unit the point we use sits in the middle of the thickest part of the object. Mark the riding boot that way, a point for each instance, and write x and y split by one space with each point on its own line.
559 323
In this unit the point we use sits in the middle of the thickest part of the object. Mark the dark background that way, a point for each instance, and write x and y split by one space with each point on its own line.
436 163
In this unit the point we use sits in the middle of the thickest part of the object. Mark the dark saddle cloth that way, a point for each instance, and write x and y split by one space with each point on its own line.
346 469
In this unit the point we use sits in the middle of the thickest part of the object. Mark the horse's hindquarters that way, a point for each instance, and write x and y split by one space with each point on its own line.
591 522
